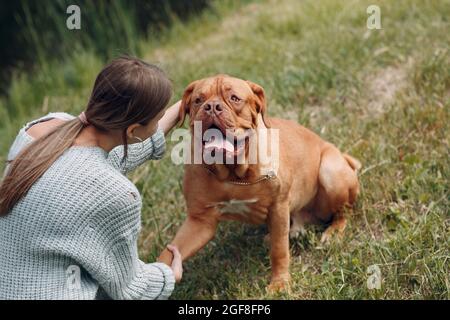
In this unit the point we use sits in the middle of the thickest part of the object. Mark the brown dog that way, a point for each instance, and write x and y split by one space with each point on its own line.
310 181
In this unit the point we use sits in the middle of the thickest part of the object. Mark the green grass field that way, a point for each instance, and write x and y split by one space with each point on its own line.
381 95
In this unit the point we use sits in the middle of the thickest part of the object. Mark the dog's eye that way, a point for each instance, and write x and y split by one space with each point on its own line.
198 100
234 98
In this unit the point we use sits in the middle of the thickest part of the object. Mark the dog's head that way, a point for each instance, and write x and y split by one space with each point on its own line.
228 104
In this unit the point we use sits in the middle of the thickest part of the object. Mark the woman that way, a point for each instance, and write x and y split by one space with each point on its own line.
69 217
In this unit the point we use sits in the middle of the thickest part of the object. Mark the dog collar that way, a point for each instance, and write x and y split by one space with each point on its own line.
268 176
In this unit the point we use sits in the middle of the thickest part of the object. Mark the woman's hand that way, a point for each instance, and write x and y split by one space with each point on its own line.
170 117
177 264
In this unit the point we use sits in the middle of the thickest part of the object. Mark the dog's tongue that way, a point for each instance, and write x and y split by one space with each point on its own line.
218 142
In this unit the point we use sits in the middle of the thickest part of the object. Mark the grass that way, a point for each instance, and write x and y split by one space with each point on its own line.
381 95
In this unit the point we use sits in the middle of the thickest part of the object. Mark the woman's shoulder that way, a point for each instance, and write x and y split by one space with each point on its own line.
49 116
23 138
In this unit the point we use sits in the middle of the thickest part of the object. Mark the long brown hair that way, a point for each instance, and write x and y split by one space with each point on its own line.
126 91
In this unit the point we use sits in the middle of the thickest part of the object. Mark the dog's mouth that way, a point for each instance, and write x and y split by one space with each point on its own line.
224 140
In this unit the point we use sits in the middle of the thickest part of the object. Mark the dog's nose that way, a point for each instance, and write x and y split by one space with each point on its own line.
213 106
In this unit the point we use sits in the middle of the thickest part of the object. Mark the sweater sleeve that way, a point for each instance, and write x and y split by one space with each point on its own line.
120 272
130 278
138 153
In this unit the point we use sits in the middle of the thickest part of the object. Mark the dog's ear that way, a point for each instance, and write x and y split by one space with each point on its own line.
261 104
186 101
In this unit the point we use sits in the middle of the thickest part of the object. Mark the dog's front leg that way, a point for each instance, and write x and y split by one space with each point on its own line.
278 222
194 234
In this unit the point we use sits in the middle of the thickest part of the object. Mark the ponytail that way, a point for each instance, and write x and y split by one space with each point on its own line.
31 163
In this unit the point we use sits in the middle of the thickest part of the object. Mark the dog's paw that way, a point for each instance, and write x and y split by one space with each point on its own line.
337 227
326 236
297 232
278 286
331 233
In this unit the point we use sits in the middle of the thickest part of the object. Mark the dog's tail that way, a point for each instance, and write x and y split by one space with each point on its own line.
352 162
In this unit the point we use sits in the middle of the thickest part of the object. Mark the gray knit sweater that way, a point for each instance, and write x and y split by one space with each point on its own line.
74 234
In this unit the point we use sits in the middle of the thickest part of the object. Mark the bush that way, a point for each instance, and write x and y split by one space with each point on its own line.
34 31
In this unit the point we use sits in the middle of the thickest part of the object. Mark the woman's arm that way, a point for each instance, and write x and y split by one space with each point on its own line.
152 148
108 251
121 273
170 118
126 277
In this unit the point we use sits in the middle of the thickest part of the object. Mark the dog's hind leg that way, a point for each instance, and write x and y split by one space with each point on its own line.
338 189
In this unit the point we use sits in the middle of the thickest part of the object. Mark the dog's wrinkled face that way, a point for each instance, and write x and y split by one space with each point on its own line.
224 103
